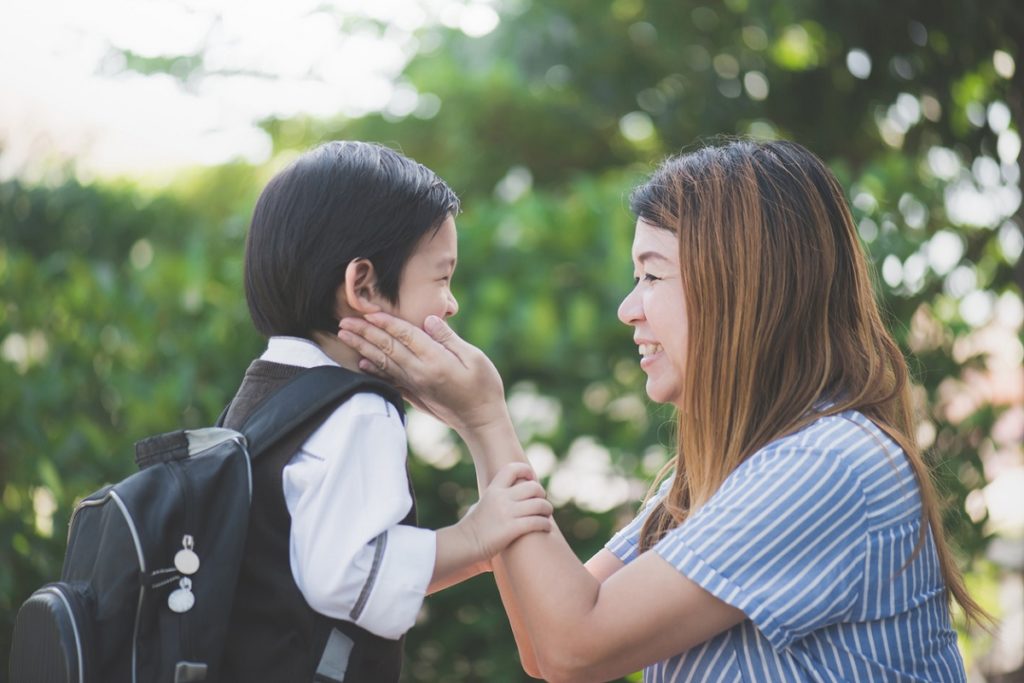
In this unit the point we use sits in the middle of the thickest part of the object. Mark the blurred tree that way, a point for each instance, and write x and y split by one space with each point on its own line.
123 311
917 108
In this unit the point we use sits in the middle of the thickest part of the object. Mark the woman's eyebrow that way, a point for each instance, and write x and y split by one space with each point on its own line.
651 256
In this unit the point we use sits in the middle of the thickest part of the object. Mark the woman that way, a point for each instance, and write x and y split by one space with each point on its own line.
798 537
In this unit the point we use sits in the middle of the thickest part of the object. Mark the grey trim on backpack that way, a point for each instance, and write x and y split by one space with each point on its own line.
334 661
190 672
201 439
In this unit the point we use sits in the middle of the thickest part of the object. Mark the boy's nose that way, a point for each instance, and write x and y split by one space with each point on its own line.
453 306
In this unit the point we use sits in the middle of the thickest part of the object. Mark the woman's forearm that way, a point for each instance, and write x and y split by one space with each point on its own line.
485 468
554 594
524 643
546 590
493 446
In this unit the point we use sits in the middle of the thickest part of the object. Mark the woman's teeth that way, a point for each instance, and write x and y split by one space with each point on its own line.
649 349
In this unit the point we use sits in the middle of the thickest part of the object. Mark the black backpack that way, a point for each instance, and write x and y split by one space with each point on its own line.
152 561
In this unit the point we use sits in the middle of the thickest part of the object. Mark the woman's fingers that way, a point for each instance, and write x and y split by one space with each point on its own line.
397 349
452 378
376 361
407 336
416 402
372 336
440 332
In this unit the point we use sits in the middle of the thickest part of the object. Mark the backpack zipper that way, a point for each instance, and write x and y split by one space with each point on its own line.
111 494
87 502
142 584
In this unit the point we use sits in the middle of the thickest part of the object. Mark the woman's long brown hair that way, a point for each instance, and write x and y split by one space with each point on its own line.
782 320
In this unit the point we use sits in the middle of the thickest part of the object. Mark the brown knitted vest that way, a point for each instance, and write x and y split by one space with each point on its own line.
274 634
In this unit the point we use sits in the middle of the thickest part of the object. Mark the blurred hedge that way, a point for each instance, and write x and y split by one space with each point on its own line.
122 309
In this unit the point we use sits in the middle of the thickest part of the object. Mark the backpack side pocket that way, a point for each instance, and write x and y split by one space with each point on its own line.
54 635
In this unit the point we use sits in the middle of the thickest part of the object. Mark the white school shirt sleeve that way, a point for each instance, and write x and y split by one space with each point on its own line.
347 489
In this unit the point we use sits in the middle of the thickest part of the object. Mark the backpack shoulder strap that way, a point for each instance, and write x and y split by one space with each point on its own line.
303 397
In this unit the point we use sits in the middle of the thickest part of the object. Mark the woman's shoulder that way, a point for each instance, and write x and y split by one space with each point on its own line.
848 436
849 447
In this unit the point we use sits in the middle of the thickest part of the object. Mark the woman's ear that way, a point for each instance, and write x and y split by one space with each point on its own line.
359 292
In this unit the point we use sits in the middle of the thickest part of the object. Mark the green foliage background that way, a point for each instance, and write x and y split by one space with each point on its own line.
121 306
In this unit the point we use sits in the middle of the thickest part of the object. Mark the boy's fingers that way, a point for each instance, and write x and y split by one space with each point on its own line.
524 490
534 507
525 525
509 474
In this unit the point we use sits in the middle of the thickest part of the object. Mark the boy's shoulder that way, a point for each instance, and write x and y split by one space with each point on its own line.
363 412
367 403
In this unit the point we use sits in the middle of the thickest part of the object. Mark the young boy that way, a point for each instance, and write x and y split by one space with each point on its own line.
335 569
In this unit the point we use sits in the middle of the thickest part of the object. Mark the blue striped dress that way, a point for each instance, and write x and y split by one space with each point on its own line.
809 538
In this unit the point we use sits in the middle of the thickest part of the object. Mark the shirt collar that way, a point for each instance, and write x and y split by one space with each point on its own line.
295 351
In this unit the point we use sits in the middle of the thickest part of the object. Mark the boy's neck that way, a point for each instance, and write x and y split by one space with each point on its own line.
338 351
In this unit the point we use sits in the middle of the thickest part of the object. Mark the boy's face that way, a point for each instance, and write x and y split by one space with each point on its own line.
425 285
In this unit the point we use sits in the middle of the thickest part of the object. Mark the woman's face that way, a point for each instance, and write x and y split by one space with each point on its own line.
656 311
425 285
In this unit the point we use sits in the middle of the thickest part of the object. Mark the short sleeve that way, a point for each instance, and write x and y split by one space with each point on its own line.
784 540
625 544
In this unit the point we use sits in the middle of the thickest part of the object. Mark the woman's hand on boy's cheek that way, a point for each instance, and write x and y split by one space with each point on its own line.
450 378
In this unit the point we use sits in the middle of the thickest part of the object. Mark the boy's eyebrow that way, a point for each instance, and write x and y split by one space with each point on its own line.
446 262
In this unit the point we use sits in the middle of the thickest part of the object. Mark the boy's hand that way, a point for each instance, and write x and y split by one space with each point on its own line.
513 504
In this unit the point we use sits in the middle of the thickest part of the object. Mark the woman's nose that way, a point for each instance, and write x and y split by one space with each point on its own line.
630 309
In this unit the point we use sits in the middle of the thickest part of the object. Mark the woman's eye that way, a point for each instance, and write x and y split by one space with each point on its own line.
647 277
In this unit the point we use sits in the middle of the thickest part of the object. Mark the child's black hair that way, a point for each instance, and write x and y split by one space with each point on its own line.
340 201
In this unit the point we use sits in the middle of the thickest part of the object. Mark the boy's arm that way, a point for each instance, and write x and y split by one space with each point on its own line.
451 565
347 492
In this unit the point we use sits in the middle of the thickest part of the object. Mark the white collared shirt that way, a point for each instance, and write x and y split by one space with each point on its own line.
347 489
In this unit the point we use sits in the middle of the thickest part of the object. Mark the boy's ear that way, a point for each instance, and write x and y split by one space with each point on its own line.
359 292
